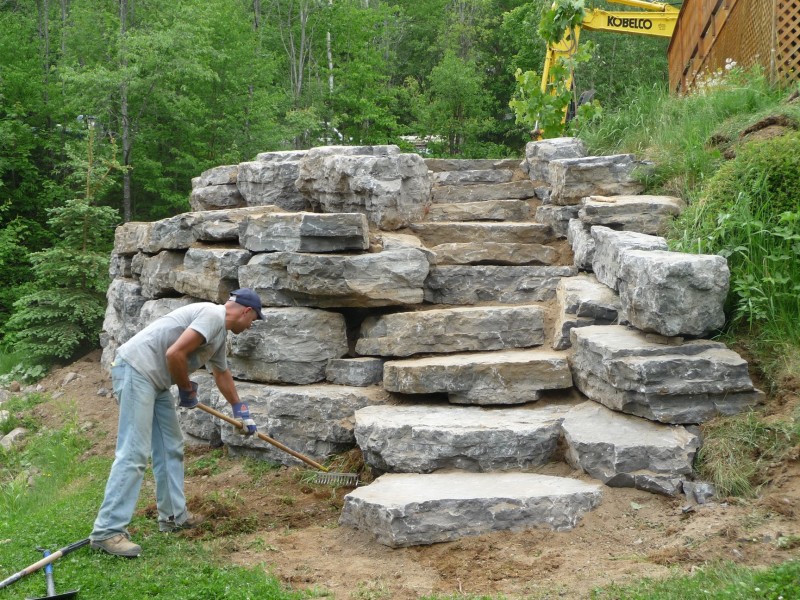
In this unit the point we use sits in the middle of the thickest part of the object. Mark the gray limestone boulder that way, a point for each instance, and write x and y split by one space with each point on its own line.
211 273
438 165
471 176
315 420
611 245
119 265
132 237
582 301
391 188
305 232
476 284
490 210
426 438
222 175
493 253
672 293
625 451
270 179
558 217
173 233
361 371
212 197
433 234
582 243
482 378
645 214
125 303
223 225
481 192
575 178
157 273
291 345
539 154
391 277
408 509
674 382
465 329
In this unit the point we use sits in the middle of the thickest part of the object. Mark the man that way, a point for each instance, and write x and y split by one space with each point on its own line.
162 354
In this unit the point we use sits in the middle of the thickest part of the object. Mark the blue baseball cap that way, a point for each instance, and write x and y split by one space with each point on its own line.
247 297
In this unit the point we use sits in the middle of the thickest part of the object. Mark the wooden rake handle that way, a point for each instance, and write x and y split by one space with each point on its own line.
266 438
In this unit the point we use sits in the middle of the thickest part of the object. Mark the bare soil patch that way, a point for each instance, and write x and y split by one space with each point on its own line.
273 519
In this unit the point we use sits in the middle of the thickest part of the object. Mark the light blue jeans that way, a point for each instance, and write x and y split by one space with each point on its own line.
148 422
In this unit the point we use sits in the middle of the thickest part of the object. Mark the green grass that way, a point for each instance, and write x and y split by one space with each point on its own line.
60 507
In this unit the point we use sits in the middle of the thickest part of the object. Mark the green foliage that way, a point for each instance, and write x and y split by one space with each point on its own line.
749 212
722 581
737 449
562 17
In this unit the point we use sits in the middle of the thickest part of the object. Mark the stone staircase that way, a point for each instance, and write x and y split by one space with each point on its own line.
460 346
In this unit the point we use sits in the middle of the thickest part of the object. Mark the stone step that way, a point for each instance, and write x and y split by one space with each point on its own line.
483 378
582 301
463 329
426 438
476 284
408 509
472 176
433 234
483 191
625 451
490 210
494 253
438 165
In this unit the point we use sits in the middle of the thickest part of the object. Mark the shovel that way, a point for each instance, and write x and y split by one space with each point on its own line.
51 585
44 562
324 476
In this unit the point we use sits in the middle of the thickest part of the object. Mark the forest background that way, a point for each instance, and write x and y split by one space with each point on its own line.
108 109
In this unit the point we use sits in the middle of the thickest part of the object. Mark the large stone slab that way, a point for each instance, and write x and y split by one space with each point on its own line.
125 303
315 420
466 177
672 293
433 234
580 239
482 378
575 178
131 238
645 214
408 509
539 154
173 233
490 210
426 438
582 301
157 273
392 189
625 451
482 191
291 345
493 253
466 329
610 246
222 175
391 277
223 225
270 179
212 197
437 165
210 273
467 284
558 217
305 232
360 371
673 382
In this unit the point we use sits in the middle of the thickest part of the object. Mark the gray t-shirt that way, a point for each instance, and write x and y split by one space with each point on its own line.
146 351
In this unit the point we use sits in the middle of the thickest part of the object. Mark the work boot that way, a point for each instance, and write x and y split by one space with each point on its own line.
118 545
170 526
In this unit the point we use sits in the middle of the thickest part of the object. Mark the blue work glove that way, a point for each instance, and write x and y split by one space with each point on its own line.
241 412
188 398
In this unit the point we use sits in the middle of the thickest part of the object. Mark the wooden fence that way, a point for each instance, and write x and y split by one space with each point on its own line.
749 32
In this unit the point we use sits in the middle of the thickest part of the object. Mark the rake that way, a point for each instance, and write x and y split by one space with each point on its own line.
324 476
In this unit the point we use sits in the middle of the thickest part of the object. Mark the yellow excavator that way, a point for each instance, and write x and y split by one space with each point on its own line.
655 19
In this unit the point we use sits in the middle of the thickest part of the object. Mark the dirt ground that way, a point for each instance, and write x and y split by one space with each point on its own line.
289 527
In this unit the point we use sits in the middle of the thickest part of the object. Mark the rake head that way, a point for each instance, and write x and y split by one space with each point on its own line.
336 479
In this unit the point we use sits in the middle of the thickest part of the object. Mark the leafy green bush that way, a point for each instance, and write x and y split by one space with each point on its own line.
749 212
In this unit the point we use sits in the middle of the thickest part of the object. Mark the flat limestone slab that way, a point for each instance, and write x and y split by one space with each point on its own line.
408 510
645 214
433 234
463 329
482 191
625 451
491 210
493 253
426 438
485 378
